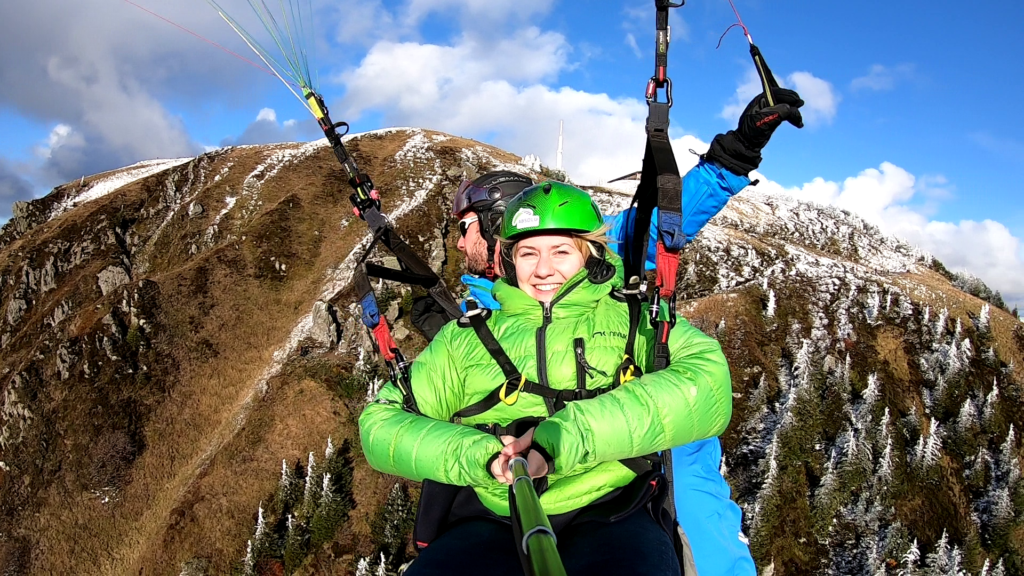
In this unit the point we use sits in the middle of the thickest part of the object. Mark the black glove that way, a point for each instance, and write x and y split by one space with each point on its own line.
739 151
428 316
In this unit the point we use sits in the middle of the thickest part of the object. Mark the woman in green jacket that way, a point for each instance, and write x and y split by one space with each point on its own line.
545 376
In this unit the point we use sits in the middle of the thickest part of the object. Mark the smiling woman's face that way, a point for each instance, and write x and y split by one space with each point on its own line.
544 263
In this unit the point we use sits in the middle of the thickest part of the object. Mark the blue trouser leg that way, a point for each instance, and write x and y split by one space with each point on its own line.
634 545
711 520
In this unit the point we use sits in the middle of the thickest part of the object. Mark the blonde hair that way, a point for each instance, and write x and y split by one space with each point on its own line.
588 243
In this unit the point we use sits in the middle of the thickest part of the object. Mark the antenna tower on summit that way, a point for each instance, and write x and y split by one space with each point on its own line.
558 155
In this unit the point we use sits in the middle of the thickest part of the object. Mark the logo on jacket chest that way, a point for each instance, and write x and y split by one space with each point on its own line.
611 333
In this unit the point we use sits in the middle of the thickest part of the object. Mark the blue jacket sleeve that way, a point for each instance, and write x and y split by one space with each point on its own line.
707 187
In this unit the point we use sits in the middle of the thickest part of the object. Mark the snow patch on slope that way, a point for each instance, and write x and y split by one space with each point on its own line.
103 186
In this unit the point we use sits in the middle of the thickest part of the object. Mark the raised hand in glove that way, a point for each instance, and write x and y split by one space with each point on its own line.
739 150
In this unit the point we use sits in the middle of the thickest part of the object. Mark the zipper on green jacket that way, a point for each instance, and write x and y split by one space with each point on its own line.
542 353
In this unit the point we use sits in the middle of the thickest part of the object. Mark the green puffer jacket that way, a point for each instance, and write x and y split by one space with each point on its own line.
690 400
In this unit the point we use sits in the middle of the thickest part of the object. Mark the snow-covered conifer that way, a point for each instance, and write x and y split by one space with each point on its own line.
827 488
983 318
870 396
966 352
286 477
325 491
910 560
249 563
956 562
933 447
926 315
802 365
1009 466
999 570
990 404
885 465
940 323
985 568
261 526
382 567
1002 506
938 560
769 311
967 420
311 493
329 451
363 568
959 328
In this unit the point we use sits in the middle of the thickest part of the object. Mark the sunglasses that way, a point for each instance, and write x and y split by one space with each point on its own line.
465 222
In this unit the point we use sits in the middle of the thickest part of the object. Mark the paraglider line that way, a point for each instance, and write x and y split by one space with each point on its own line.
211 42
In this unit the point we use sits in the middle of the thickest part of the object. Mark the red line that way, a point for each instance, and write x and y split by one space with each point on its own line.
176 25
739 22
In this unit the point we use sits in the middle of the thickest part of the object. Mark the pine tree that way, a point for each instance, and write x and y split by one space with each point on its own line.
990 404
249 563
870 396
956 562
940 323
769 311
999 570
363 568
938 561
910 560
967 420
311 494
802 366
295 544
391 524
933 447
983 319
1009 466
985 568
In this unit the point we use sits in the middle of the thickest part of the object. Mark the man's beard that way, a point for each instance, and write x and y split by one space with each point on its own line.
476 260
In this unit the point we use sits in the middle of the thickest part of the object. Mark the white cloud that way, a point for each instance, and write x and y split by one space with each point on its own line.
881 77
821 101
267 115
60 135
631 42
882 196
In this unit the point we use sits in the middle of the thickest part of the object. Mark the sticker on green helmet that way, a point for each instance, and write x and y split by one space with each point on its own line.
525 218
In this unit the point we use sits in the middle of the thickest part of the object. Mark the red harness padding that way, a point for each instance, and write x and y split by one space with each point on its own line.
384 340
667 268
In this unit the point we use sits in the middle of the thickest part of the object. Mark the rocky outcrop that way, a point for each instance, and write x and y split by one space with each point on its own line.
112 277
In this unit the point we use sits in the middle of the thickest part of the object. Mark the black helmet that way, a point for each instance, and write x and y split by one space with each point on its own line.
482 194
488 195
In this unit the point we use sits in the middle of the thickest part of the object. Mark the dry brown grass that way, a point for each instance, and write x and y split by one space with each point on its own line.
214 447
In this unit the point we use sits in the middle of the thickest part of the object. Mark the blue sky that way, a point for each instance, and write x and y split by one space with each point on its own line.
912 111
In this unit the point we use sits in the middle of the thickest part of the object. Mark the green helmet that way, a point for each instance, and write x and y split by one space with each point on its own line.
550 207
554 208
